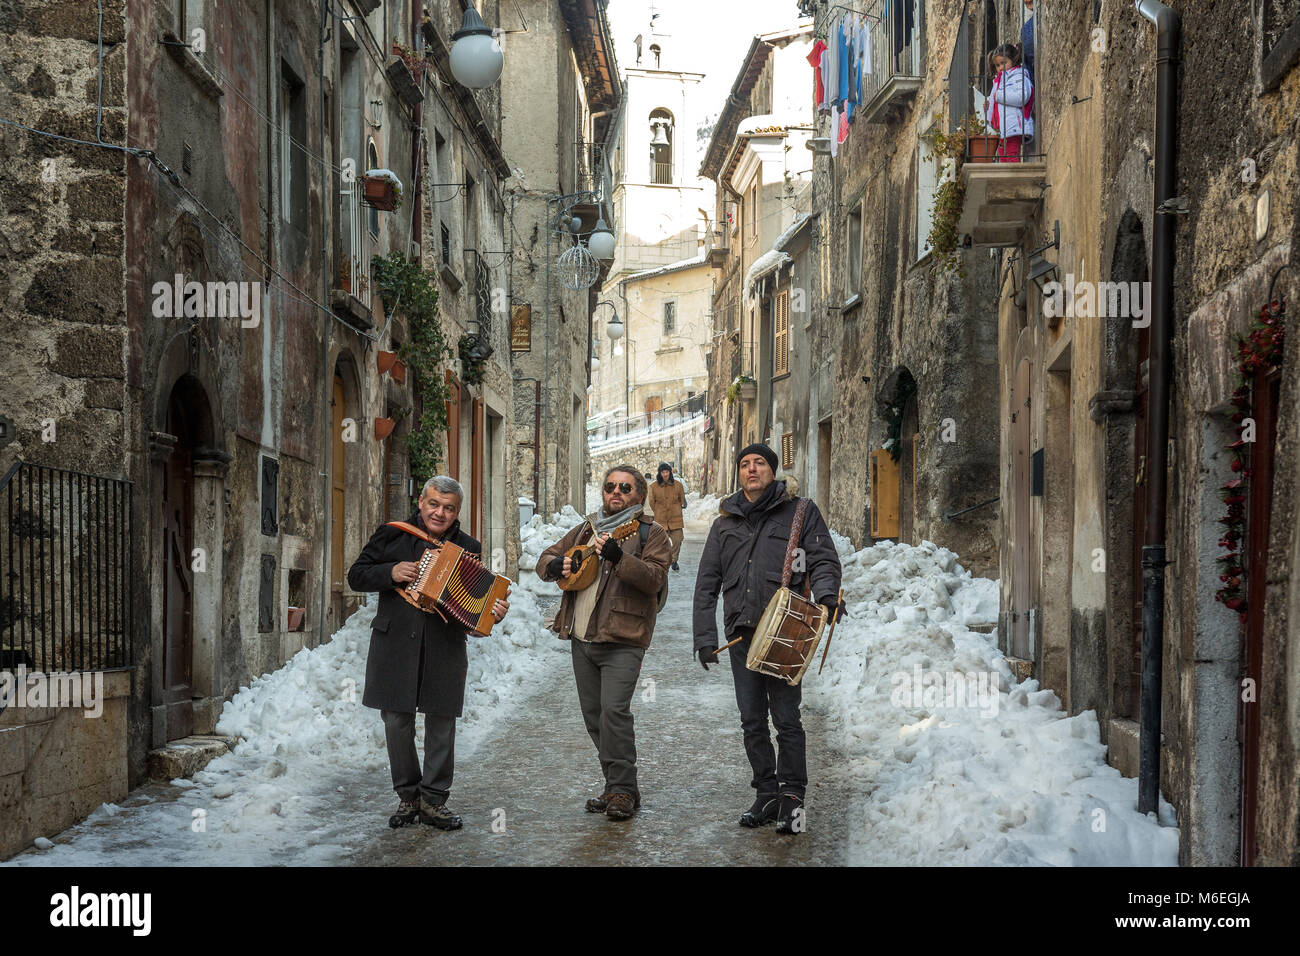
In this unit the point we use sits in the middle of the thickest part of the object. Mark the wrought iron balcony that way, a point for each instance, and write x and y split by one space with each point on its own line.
897 59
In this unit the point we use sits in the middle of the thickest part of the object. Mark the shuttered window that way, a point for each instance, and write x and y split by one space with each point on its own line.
781 345
787 450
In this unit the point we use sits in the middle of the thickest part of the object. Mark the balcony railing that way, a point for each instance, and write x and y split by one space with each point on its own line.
897 58
591 170
1003 176
661 174
358 244
717 242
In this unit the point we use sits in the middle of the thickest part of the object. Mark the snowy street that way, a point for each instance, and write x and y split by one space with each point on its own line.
903 770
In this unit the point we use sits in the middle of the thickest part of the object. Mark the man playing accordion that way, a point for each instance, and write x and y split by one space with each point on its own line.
417 660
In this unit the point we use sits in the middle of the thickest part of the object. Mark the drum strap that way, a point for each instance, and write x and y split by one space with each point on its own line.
796 531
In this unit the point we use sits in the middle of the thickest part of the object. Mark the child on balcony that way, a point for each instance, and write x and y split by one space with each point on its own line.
1011 104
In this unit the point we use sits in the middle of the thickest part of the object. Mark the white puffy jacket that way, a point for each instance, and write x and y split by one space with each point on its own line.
1012 91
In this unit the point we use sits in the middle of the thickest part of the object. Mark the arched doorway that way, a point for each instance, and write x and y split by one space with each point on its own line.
186 550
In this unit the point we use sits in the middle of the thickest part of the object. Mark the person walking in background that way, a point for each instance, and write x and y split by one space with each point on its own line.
667 501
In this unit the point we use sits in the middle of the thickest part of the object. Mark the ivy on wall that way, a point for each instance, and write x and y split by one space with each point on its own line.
406 287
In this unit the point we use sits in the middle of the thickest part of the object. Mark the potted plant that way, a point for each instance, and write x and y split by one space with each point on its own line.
384 427
296 615
389 362
407 73
981 142
382 189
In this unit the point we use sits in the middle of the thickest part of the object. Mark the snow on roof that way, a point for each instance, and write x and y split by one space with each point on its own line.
696 260
775 257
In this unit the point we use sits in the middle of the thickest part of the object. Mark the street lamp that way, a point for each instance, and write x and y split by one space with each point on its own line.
476 57
601 242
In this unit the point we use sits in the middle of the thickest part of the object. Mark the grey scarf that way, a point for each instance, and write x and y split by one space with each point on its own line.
604 523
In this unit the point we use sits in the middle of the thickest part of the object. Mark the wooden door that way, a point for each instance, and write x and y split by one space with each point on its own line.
1264 411
884 495
477 425
1021 591
178 579
453 431
338 485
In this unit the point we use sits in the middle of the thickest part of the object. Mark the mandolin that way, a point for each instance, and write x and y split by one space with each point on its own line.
583 559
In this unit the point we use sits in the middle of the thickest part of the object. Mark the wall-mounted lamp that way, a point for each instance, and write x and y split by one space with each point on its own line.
1042 271
476 55
601 242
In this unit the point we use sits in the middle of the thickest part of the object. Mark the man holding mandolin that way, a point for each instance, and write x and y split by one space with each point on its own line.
612 569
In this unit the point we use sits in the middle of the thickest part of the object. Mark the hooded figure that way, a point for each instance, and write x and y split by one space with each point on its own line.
666 500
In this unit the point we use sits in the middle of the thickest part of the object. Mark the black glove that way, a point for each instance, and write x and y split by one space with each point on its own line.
556 568
708 655
611 552
830 609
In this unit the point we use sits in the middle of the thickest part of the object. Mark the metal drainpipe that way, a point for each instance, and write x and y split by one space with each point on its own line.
547 361
1168 26
327 380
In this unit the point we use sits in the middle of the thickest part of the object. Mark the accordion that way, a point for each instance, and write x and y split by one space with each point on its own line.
453 583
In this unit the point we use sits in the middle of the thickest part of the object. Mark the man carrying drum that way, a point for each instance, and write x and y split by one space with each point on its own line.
744 557
609 622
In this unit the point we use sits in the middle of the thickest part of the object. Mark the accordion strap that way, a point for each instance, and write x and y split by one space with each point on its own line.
412 529
796 531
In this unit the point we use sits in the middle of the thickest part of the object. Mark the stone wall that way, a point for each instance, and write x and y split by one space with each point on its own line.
58 763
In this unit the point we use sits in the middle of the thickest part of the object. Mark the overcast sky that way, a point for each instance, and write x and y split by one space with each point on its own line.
705 36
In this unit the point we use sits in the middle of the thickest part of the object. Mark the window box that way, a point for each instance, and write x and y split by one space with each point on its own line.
381 189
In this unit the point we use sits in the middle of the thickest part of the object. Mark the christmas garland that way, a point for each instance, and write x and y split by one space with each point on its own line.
1260 351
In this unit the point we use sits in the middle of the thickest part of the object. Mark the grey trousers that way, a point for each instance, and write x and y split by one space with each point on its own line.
607 676
439 755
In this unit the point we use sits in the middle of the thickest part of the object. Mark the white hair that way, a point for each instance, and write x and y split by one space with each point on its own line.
447 485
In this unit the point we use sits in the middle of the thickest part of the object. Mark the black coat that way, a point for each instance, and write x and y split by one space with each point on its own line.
401 632
743 558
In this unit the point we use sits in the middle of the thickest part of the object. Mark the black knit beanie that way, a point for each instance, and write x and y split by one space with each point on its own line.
758 448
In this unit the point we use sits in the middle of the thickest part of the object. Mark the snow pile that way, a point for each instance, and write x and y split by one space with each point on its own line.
534 538
954 761
700 508
310 776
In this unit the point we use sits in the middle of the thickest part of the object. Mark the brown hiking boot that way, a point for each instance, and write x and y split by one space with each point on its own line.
599 804
621 806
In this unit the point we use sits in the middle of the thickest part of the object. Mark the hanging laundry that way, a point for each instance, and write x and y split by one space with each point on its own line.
832 63
844 127
904 11
845 59
834 130
815 60
825 103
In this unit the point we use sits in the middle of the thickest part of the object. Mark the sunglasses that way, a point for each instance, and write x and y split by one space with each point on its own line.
622 486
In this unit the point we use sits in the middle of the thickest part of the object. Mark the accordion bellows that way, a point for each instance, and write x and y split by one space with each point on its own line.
454 583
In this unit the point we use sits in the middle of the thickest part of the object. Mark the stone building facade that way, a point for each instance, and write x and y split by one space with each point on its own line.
902 350
1072 537
757 158
554 130
199 331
